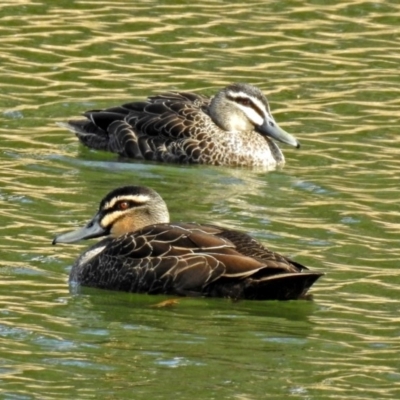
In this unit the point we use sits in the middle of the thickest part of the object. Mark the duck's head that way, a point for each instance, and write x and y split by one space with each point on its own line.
123 210
243 107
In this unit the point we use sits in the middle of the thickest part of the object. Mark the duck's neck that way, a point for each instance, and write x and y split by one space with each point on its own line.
250 149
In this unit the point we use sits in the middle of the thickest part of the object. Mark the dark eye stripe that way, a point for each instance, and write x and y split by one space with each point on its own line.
125 204
246 101
133 201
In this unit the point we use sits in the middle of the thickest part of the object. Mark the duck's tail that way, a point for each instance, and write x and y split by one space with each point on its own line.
287 286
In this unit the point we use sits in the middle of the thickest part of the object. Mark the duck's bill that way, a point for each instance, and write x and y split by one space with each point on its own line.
272 129
91 230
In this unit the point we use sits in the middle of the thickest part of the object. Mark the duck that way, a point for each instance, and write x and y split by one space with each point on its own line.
233 128
141 251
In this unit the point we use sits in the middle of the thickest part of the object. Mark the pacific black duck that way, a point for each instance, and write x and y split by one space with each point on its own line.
233 128
143 252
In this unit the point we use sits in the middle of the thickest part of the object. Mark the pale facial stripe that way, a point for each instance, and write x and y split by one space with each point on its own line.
256 113
252 115
139 199
109 219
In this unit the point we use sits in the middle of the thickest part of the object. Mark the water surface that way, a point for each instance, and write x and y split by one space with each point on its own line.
330 71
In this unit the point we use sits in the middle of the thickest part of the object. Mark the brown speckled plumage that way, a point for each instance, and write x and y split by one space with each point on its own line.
157 256
233 128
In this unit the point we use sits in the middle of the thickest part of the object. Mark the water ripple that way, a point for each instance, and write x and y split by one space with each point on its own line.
330 72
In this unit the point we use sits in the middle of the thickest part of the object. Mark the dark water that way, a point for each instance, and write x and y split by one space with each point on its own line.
331 73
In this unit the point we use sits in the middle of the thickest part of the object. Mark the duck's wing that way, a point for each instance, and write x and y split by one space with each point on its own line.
251 270
142 129
185 259
250 247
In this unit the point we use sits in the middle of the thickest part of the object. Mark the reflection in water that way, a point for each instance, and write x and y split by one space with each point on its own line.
331 73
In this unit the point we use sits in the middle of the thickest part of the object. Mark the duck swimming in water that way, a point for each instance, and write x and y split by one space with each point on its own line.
233 128
145 253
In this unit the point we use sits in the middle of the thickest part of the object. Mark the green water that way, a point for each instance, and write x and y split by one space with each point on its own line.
330 71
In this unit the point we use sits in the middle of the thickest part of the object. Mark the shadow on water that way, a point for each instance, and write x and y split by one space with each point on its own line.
182 326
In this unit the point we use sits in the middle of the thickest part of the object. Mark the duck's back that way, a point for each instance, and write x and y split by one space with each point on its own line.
168 127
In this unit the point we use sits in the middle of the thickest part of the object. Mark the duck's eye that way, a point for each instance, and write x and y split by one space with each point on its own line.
123 205
244 102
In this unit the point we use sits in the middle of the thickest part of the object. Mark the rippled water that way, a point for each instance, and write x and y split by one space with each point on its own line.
330 70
